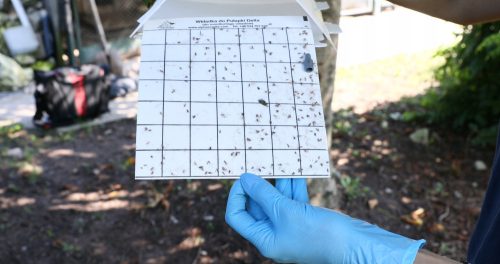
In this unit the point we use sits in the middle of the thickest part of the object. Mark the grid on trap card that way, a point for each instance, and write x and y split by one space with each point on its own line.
220 99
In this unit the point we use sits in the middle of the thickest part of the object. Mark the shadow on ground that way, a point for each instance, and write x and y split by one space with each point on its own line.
432 191
71 198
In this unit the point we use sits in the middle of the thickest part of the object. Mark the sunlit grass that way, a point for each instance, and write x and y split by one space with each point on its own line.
387 80
413 68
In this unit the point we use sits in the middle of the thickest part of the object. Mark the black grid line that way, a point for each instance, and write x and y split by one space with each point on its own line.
295 107
269 100
230 177
228 61
206 44
233 61
228 125
190 109
217 103
231 149
243 102
296 174
185 80
223 102
163 108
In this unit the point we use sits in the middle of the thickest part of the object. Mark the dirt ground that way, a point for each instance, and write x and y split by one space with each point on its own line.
71 198
428 191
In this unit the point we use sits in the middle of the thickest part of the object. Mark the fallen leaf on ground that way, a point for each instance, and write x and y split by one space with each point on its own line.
406 200
415 218
342 162
418 213
437 228
30 169
215 187
372 203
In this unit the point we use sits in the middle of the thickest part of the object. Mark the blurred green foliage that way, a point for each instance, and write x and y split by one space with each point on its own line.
149 3
353 187
468 95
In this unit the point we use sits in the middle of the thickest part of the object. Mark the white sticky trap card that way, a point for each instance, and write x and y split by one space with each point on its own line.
219 97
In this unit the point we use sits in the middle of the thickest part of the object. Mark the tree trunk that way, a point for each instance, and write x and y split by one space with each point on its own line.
324 192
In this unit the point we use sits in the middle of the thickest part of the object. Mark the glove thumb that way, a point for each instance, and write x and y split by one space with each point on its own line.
263 193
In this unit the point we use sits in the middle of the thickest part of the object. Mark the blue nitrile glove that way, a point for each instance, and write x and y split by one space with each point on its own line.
292 231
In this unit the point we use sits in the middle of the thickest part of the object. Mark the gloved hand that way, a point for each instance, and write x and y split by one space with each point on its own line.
285 228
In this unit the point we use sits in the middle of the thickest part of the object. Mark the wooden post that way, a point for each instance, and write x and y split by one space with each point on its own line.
324 192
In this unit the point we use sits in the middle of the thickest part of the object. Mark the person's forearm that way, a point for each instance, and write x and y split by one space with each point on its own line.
427 257
458 11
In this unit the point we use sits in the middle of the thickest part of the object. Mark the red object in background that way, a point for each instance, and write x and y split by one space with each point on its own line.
80 96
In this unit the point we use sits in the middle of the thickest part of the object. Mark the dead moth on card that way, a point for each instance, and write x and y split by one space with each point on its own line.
257 114
231 164
283 114
315 162
230 113
202 36
287 162
312 138
202 53
285 137
203 91
176 113
279 72
310 115
307 94
145 139
260 162
148 164
204 163
228 71
228 52
203 71
277 53
258 137
255 92
275 35
302 76
203 113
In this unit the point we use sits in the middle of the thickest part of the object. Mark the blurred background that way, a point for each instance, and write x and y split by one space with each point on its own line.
413 119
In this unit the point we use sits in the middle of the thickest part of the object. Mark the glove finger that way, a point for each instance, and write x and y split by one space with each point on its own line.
299 190
284 186
236 213
263 193
255 211
242 222
295 189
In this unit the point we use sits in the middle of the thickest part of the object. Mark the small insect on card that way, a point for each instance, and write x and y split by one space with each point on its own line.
219 97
